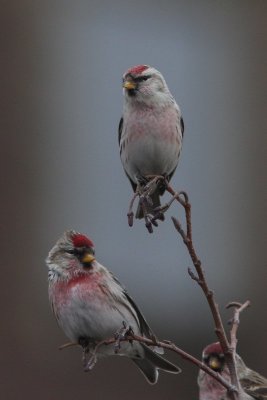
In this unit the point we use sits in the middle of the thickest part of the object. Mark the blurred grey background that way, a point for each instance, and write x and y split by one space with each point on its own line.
61 100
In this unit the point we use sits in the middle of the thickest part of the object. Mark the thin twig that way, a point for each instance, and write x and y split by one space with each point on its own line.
235 321
200 278
66 345
165 344
228 348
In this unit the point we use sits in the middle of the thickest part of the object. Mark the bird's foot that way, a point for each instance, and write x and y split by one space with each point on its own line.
146 202
146 187
152 186
142 180
121 336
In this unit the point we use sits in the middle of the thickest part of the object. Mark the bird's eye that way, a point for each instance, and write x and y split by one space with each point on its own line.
80 251
77 251
142 78
70 251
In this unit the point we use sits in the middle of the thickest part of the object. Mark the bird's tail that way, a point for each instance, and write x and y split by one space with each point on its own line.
155 202
152 362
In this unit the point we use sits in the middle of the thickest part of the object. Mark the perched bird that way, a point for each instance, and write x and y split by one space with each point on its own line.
253 384
150 130
90 305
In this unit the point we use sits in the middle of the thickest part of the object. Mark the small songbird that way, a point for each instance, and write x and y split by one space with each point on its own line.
150 130
91 305
253 384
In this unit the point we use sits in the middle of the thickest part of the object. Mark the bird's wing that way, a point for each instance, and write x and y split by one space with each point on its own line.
121 296
120 130
182 126
144 327
134 185
256 389
181 123
252 382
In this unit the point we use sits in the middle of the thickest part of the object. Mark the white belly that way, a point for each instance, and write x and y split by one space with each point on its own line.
150 144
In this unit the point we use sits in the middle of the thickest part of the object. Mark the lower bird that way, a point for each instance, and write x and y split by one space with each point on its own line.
91 305
253 385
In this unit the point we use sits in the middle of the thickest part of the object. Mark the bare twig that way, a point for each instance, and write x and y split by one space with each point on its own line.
144 190
165 344
235 321
200 278
229 348
67 345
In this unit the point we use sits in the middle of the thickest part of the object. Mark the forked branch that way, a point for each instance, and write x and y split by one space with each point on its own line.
165 344
229 347
234 390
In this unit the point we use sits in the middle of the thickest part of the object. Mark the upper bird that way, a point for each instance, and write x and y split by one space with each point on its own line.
90 305
150 130
253 384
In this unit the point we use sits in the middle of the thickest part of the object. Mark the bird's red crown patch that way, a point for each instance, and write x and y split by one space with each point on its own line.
138 69
214 348
80 240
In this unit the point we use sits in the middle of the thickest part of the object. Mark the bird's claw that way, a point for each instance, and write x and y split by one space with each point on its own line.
145 189
121 335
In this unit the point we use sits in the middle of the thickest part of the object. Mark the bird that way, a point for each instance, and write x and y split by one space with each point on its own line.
91 305
151 131
254 385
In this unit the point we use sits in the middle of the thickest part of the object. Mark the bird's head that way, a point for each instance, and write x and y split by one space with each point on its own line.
73 253
213 357
145 84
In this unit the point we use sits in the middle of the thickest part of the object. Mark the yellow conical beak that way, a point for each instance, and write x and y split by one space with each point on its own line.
87 258
129 85
214 363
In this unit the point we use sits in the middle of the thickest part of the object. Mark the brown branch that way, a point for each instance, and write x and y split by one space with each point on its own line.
200 278
228 348
165 344
235 321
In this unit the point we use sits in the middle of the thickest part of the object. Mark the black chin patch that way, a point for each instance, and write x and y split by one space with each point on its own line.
87 265
131 92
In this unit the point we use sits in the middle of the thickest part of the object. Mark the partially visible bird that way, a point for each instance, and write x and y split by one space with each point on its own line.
90 305
150 130
253 384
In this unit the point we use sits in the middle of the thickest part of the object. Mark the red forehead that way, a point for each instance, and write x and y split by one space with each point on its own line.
80 240
138 69
213 348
